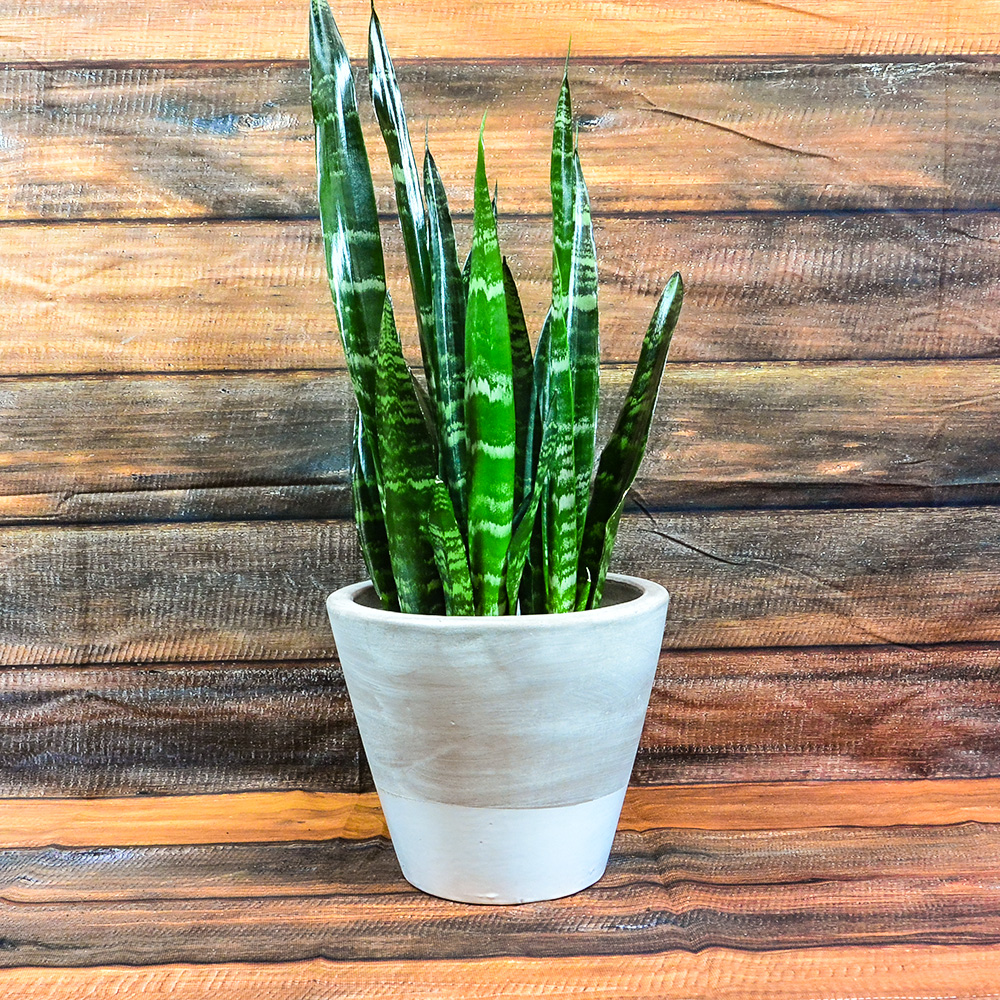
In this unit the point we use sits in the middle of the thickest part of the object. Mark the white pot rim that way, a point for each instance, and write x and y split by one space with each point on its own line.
646 594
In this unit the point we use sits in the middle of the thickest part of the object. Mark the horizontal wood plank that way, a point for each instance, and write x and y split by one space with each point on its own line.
62 30
277 445
255 591
715 716
107 297
667 856
188 728
262 817
664 890
235 141
928 972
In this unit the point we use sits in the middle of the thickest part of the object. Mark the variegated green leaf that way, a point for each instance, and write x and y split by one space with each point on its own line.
562 177
352 244
523 374
489 406
450 555
584 345
448 297
391 117
623 453
368 518
407 476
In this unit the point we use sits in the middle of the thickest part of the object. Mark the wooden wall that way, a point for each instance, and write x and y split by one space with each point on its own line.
821 491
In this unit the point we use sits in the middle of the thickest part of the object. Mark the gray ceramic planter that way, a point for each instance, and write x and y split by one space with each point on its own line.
501 748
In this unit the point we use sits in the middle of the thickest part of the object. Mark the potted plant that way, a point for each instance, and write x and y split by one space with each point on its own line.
498 673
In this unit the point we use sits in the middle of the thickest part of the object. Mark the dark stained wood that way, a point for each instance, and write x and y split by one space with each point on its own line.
925 973
847 712
327 868
63 30
189 728
276 444
254 590
663 891
234 140
106 297
714 716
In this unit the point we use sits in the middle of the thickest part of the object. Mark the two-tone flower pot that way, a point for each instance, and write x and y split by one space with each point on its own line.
501 748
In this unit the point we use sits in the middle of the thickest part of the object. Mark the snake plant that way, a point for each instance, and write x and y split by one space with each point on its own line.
474 488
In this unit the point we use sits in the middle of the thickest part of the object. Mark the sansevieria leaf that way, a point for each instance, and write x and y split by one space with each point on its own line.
489 406
584 343
407 180
448 293
407 476
523 376
368 517
352 244
623 453
450 555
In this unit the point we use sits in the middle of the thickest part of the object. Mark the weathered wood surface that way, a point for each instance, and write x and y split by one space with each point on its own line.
271 817
176 728
928 972
276 444
33 31
225 140
728 716
672 886
254 590
106 297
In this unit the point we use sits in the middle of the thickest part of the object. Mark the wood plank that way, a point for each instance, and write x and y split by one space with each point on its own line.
654 907
183 141
871 712
827 973
63 30
736 716
258 817
176 593
112 297
188 728
146 448
331 867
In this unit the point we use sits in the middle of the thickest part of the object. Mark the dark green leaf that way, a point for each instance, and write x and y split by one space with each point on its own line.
407 476
623 453
448 296
450 555
489 406
352 244
521 365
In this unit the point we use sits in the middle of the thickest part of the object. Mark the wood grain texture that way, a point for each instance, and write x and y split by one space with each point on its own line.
827 973
714 716
113 297
188 728
664 891
235 141
50 32
255 590
271 817
147 448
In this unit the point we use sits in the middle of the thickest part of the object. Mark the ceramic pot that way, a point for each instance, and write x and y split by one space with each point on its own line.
501 748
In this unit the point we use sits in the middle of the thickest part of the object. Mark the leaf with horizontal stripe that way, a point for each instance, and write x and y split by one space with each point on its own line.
369 519
489 405
450 554
584 344
348 214
448 297
623 453
406 483
523 375
388 104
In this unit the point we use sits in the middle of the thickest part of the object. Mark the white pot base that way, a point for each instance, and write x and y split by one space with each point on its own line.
486 855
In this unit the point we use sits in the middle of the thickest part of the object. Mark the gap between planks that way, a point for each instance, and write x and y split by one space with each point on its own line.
929 972
247 817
